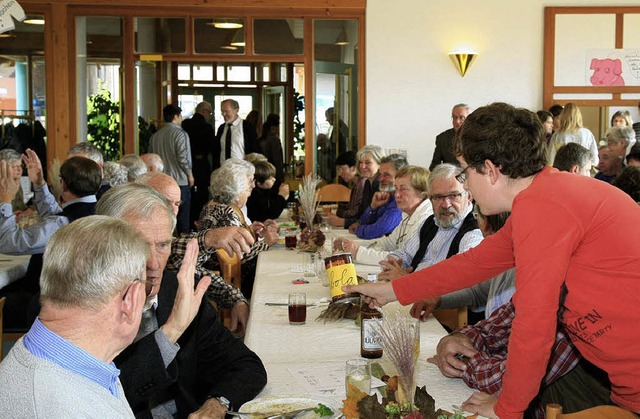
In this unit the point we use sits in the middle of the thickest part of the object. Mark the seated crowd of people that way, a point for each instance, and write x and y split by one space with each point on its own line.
116 297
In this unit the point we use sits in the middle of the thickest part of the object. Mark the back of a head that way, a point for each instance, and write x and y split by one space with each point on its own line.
264 170
135 166
629 182
153 161
203 107
347 158
170 111
9 155
419 178
229 180
570 118
556 110
89 261
273 120
512 138
134 200
88 150
570 155
255 157
398 160
115 173
81 176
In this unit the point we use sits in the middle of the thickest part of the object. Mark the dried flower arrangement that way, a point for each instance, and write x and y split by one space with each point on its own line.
311 239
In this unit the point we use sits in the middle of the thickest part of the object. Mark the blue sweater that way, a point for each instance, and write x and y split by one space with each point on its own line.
379 222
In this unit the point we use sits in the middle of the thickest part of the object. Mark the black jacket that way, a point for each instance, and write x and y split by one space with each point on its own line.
210 362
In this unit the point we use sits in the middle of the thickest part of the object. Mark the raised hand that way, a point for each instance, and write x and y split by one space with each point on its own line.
187 302
379 199
34 167
8 184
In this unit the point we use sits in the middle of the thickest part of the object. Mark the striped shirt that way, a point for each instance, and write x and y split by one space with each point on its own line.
45 344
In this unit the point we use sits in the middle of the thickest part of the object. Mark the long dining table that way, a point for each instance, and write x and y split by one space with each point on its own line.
296 356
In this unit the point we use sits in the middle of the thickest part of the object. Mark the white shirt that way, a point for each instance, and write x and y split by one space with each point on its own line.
237 141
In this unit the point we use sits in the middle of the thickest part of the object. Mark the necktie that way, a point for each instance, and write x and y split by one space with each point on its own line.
148 323
227 143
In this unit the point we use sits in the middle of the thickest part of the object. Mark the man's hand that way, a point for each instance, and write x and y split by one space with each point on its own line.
8 185
34 167
190 180
448 353
232 239
482 404
374 294
422 309
392 268
350 246
379 199
187 302
335 221
211 409
239 317
352 227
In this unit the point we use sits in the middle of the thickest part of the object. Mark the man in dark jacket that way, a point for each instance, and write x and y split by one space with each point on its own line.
235 138
183 359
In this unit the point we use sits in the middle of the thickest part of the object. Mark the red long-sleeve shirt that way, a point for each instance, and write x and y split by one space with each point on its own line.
563 228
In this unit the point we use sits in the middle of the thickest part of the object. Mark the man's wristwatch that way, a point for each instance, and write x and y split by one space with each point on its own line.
224 401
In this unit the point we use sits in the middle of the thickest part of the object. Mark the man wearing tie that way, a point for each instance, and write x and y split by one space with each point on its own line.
235 138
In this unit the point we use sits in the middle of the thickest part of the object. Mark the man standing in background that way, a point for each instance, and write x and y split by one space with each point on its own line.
444 141
201 138
235 138
171 142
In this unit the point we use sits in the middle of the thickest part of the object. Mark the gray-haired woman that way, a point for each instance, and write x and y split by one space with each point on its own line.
230 187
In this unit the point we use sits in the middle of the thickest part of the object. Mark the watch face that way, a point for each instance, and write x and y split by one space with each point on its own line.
224 401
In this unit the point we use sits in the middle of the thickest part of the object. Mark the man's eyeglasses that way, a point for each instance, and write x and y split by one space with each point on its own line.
462 176
147 292
452 197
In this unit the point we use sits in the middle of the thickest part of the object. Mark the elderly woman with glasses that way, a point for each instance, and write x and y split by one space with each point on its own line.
230 187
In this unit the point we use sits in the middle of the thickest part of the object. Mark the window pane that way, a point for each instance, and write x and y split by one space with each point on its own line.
164 35
203 72
278 36
184 72
217 35
239 72
220 76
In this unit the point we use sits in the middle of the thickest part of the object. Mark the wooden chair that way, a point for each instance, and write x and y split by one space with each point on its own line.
554 411
452 318
334 192
230 270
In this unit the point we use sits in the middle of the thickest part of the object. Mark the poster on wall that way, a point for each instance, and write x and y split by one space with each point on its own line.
612 67
9 8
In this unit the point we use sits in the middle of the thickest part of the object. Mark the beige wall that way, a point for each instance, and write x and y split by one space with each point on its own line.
411 82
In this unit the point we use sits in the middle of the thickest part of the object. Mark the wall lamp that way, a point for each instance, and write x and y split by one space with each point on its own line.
463 58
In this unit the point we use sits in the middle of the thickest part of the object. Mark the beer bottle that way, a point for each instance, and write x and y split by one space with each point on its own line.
370 340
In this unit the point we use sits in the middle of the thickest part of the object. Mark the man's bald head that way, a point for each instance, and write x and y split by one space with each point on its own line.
165 185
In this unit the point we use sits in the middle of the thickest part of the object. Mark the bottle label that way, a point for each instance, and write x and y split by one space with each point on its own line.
371 339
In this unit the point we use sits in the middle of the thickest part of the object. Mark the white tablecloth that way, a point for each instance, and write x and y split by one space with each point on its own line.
282 346
12 268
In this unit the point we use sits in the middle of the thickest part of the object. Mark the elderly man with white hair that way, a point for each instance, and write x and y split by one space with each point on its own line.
153 161
184 360
93 292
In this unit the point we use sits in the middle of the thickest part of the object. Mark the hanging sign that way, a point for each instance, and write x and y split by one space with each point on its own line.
9 8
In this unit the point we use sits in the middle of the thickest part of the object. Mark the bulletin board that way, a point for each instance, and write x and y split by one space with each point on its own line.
592 56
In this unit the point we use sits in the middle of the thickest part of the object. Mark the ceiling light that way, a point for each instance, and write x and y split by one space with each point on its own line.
34 21
7 35
342 39
238 39
225 24
229 47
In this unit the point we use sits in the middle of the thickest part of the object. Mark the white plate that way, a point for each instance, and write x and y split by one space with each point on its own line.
283 404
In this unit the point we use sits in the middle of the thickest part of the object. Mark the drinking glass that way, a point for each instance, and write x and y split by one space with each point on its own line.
297 308
290 239
309 264
358 373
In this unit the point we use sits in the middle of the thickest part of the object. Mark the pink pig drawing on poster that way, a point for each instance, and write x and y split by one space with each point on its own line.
606 72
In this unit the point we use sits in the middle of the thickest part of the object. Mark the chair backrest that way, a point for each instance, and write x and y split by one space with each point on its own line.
453 318
554 411
334 192
230 267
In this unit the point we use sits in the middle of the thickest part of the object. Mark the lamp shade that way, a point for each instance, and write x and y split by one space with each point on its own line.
463 60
